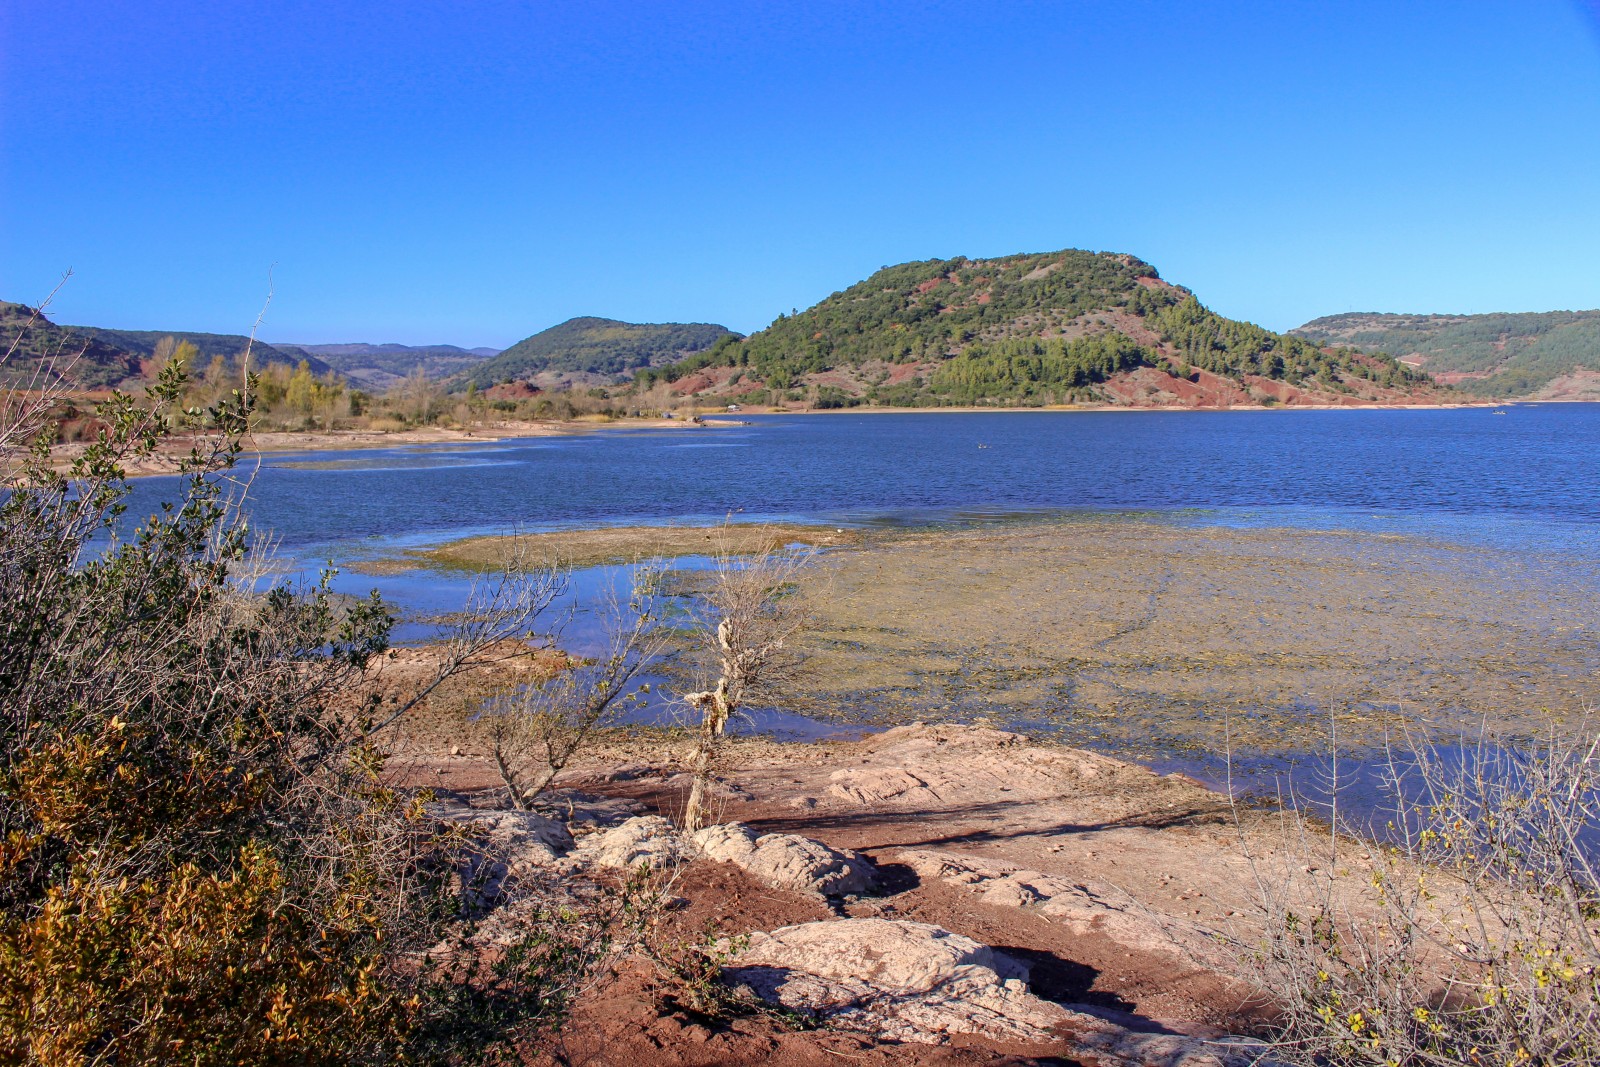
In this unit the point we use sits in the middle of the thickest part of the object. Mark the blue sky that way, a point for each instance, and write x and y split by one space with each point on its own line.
472 173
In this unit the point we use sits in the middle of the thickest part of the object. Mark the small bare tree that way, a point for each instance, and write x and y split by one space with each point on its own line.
747 632
536 730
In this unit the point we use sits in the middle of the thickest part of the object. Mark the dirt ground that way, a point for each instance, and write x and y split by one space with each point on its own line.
1151 867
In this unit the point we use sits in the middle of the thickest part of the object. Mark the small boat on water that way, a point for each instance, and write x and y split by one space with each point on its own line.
1499 411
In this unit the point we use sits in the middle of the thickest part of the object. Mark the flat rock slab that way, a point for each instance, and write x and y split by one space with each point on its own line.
909 981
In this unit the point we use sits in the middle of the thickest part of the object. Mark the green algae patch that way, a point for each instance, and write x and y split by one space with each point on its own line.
622 544
1161 640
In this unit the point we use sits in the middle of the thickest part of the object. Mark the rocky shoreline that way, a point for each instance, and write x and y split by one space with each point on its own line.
932 894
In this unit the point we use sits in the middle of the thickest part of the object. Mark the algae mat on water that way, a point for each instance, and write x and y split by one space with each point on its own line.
1163 640
619 544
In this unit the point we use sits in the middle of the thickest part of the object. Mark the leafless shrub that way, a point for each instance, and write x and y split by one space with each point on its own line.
746 644
1464 931
536 730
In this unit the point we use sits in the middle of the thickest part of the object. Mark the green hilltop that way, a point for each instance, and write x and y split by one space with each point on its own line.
38 346
1491 355
595 346
1053 327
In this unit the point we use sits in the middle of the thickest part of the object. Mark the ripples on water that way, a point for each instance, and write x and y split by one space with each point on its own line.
1532 475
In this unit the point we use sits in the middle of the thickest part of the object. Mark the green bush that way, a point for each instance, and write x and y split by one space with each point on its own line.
201 860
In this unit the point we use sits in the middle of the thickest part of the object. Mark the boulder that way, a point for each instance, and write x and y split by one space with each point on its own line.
643 839
910 981
788 861
503 846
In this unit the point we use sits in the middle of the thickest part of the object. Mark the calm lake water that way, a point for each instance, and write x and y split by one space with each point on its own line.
1531 475
1527 481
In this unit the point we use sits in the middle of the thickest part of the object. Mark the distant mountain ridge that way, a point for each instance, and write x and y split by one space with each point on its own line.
1025 330
1504 354
376 367
227 345
595 348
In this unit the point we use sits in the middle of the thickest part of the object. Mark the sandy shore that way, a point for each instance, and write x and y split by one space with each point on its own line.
271 442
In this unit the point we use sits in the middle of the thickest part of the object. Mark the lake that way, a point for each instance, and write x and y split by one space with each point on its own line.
1524 485
1529 476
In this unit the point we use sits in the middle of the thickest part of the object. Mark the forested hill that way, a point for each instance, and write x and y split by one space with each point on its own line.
148 345
599 347
1543 353
37 345
1055 327
102 359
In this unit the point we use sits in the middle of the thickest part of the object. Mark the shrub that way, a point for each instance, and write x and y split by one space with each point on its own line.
201 860
1477 940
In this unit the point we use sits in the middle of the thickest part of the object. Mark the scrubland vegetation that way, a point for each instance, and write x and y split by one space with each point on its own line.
204 860
1478 941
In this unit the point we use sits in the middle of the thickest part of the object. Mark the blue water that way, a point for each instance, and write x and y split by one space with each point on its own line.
1529 476
1526 481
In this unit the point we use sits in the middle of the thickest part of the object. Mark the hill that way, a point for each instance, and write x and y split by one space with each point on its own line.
595 348
377 367
107 358
1035 329
1541 353
143 343
95 364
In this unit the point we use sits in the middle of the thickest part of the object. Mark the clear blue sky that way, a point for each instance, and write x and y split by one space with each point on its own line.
474 172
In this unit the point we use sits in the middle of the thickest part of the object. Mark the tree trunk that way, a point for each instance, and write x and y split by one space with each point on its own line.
714 713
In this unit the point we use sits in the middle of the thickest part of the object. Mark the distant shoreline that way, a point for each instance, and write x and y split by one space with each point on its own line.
282 442
1093 408
286 442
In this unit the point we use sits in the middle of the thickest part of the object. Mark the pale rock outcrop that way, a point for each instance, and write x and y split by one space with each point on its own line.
909 981
643 839
788 861
1082 908
920 766
503 846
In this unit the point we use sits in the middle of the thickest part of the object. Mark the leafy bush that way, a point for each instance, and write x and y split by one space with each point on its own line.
201 860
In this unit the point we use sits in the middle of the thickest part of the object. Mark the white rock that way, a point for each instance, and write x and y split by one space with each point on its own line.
502 847
788 861
643 839
908 981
